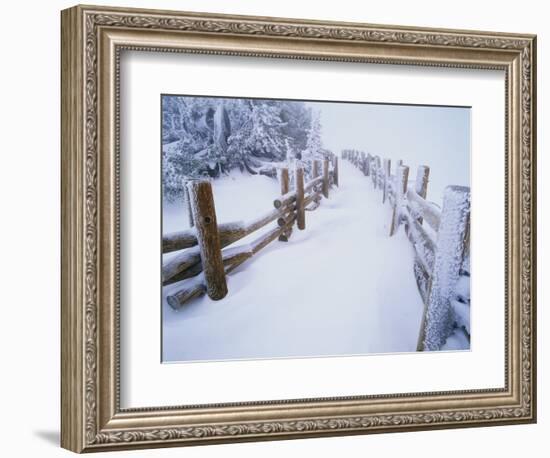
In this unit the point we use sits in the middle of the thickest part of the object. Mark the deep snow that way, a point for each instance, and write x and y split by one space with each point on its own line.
341 287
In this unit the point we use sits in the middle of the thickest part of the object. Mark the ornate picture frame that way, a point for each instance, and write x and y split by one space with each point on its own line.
92 41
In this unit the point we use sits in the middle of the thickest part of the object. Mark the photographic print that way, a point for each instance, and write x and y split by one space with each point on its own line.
306 228
269 218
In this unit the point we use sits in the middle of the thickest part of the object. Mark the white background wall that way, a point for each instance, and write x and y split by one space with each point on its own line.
29 240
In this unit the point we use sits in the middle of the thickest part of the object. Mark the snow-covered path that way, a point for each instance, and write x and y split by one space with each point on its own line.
340 287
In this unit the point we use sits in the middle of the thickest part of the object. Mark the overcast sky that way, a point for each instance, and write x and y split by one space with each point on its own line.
438 137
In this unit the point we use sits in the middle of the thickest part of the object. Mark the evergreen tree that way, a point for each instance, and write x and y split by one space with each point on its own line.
206 136
314 145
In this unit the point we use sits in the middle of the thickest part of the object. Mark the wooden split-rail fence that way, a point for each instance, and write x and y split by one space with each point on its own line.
440 237
205 255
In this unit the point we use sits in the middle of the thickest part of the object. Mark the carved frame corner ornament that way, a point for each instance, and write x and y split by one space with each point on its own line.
92 38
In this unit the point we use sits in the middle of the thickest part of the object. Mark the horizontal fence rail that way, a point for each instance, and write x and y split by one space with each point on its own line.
204 253
440 237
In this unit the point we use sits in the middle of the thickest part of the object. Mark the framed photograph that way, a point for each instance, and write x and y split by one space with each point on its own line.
277 228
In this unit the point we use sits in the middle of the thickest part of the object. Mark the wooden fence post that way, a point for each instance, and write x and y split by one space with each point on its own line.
204 215
386 170
398 164
300 206
421 183
188 204
374 171
285 187
316 173
326 178
401 180
316 168
378 172
335 171
438 320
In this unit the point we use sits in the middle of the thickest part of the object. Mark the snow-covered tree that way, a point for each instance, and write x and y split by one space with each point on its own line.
206 136
314 145
222 130
297 118
261 138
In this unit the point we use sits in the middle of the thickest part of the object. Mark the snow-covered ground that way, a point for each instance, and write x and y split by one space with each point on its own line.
341 287
238 196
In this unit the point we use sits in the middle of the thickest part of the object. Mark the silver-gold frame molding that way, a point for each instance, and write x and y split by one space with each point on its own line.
92 39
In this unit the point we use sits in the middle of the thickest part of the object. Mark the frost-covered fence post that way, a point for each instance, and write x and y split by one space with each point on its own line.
378 172
204 215
373 171
187 200
439 317
326 178
421 183
401 180
335 171
398 164
300 205
366 171
386 177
